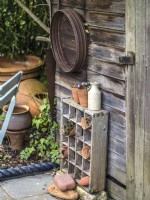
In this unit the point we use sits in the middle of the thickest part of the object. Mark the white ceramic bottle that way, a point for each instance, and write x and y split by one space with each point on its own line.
94 97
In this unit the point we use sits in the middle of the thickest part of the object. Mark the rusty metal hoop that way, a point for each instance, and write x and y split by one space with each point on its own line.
68 38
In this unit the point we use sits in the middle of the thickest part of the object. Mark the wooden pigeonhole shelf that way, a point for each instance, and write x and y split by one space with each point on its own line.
95 137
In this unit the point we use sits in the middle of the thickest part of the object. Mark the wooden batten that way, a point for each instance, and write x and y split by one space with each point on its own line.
107 37
116 191
105 53
106 68
105 20
109 6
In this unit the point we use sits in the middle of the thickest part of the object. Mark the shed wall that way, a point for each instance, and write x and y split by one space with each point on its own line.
106 21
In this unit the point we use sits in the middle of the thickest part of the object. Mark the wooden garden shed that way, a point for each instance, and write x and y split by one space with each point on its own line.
119 32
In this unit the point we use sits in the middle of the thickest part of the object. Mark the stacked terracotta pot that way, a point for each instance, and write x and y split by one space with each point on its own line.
19 125
31 68
80 94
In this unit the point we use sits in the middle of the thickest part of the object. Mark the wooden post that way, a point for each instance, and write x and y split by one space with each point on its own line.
146 189
130 99
138 100
50 73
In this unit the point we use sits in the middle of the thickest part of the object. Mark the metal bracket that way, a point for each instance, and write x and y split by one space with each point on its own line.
127 60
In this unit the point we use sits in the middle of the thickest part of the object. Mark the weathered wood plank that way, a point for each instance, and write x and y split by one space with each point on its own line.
99 66
117 131
107 38
58 116
107 84
113 101
115 116
117 173
139 96
78 10
115 190
61 91
117 146
105 53
99 149
106 20
71 3
116 160
146 178
130 112
107 5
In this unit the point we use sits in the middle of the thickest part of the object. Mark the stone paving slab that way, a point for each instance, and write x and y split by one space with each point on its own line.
3 195
30 187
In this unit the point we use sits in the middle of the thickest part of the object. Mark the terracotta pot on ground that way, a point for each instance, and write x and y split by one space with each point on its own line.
17 139
84 181
86 152
35 103
21 118
75 94
28 90
83 97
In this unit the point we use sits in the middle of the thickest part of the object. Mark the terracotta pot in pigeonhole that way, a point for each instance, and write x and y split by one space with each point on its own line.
86 152
86 122
84 181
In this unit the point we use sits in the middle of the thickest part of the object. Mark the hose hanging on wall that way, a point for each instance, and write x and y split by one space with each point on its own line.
68 39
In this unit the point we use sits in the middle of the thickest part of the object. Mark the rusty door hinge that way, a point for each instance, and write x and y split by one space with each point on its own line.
128 60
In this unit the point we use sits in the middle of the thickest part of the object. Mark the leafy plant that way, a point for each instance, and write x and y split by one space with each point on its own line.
2 117
18 30
42 142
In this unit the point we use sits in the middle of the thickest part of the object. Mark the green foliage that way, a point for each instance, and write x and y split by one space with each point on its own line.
2 118
18 30
42 140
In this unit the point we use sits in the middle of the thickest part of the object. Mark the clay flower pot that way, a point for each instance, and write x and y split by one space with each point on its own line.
64 152
86 122
84 181
86 152
31 67
21 118
69 129
83 97
75 94
17 139
35 103
29 93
